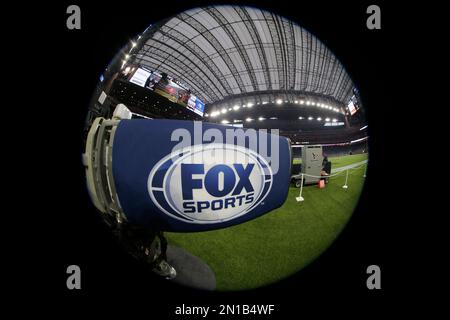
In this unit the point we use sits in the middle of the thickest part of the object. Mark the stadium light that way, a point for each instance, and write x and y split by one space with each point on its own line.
279 101
310 118
300 118
249 104
302 102
236 107
334 120
319 119
133 44
313 103
225 121
264 102
296 101
224 110
261 118
327 119
273 118
249 119
308 102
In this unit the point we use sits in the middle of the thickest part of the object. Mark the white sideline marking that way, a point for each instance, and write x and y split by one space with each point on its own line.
356 164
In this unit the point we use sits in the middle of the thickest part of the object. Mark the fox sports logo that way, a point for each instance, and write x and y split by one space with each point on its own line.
210 183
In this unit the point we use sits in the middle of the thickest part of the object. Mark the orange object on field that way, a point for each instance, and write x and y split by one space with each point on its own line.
321 184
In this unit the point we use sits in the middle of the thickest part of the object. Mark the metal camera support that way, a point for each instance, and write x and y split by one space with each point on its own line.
144 244
97 160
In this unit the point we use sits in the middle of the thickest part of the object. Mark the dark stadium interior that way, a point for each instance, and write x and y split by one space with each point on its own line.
252 69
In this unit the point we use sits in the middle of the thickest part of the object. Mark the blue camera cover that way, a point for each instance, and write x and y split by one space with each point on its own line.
186 176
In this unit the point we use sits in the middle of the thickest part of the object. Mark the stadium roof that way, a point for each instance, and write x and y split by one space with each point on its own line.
229 52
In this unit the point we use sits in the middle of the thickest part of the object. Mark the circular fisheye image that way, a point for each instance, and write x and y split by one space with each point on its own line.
226 147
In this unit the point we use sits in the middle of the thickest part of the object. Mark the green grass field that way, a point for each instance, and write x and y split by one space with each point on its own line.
342 161
282 242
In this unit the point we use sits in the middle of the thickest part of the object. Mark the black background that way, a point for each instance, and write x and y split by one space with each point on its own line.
63 228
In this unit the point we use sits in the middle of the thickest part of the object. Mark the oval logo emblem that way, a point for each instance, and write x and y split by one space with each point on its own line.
210 183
